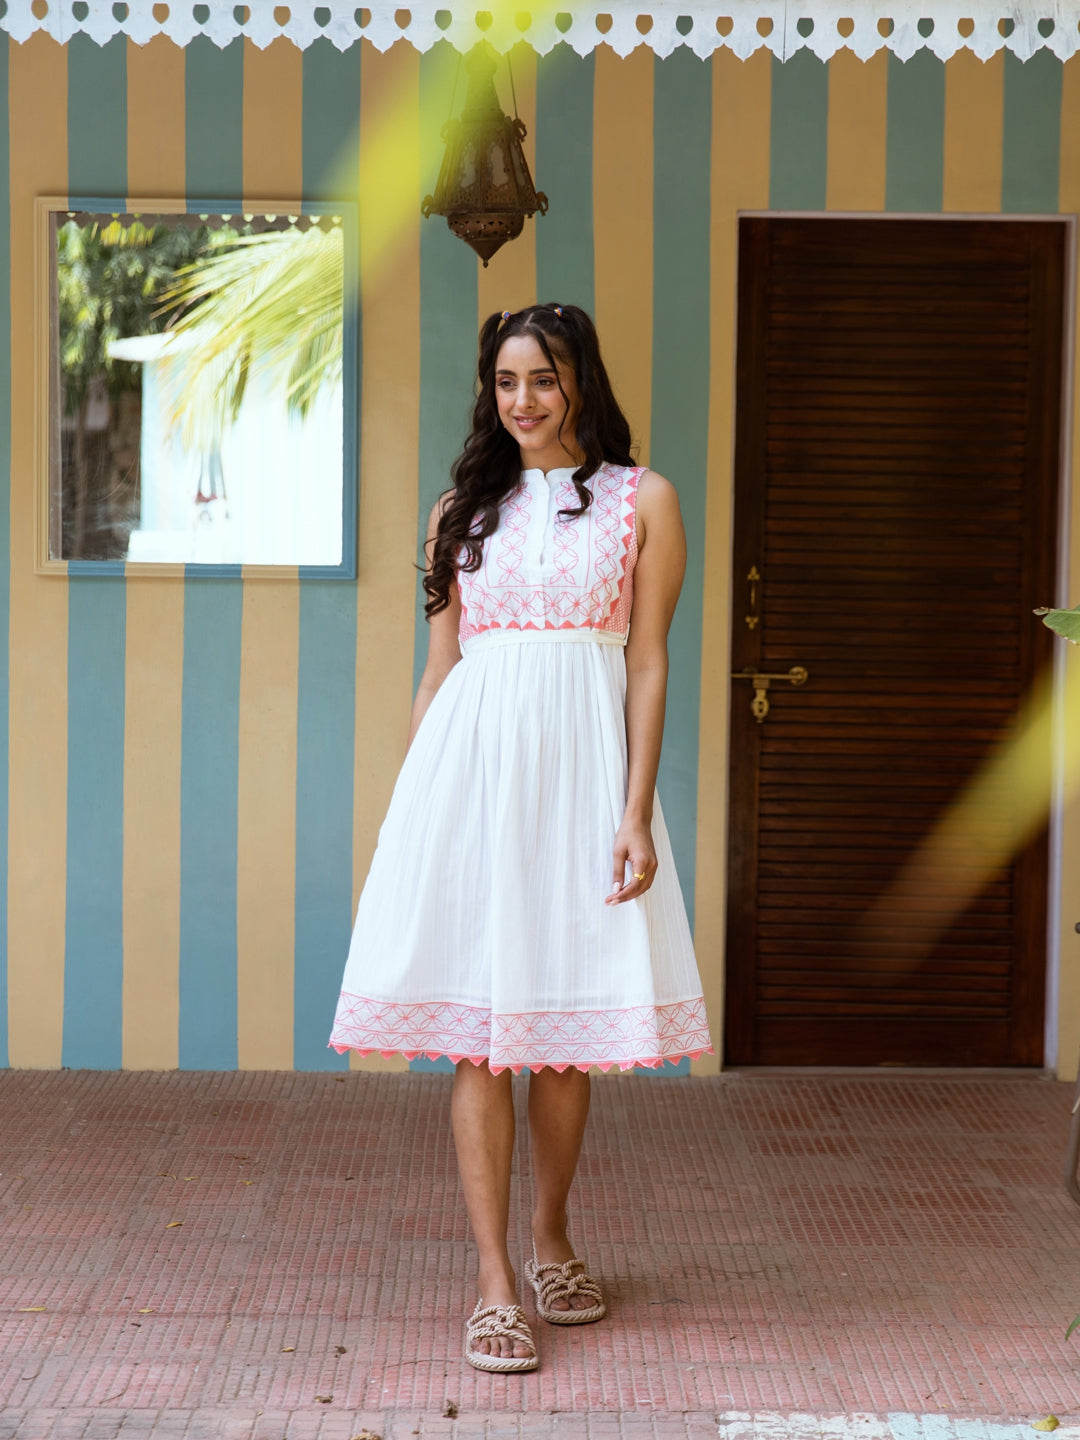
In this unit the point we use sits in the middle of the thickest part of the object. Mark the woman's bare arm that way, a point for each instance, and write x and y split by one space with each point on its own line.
444 651
658 579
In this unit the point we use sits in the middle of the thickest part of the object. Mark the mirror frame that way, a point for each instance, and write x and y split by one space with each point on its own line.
46 420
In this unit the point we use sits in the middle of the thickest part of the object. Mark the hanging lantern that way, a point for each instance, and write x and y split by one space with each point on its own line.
484 187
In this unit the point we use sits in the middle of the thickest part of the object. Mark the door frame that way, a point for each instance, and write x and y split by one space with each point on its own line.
1068 464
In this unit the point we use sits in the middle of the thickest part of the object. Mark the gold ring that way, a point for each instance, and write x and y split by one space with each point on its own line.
639 877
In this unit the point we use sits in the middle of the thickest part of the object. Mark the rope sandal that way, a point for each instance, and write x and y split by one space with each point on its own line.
559 1281
499 1322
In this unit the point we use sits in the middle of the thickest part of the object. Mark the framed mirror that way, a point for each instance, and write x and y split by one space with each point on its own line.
197 387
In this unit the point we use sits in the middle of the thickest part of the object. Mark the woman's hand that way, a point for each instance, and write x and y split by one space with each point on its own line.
634 853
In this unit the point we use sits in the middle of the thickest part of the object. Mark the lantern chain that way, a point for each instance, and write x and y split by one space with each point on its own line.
513 92
457 77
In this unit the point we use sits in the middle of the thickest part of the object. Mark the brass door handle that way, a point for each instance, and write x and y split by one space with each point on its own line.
797 675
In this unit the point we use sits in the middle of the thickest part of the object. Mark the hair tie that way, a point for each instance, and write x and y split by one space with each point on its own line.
506 315
558 310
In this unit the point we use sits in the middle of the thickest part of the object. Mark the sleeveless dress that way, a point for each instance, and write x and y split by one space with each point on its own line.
482 932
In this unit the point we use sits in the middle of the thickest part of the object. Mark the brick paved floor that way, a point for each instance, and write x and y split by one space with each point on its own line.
281 1256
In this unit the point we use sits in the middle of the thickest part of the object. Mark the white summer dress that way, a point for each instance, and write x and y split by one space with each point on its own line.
482 931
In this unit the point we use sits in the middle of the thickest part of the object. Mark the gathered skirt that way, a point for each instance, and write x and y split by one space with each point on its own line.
482 931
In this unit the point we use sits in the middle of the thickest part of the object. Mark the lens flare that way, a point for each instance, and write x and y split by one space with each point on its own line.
401 135
998 813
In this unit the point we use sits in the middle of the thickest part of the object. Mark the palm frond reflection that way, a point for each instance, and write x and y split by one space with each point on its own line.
268 306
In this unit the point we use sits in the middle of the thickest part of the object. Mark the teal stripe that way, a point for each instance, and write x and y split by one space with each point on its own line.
97 88
915 134
331 121
680 406
1031 152
214 119
93 919
325 744
209 759
5 520
93 930
448 312
326 717
799 130
564 161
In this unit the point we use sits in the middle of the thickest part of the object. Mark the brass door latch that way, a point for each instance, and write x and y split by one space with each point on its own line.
797 675
754 578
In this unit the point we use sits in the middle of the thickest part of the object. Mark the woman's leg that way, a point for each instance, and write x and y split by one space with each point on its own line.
558 1109
482 1114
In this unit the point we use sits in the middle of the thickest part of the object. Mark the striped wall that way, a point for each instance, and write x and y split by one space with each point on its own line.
197 768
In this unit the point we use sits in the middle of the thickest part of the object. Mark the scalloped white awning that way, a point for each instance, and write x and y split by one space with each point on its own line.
743 26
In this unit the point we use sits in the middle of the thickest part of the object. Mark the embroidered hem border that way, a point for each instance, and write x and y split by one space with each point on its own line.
645 1035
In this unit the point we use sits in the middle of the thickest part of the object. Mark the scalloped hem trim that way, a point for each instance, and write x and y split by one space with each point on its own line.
583 27
623 1036
646 1063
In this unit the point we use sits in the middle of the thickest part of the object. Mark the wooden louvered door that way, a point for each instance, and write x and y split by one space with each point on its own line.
896 476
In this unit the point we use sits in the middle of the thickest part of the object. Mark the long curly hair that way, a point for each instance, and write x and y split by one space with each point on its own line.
489 466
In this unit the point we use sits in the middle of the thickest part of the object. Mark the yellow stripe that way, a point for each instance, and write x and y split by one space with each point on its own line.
1068 958
857 103
273 114
37 752
155 132
390 405
741 97
266 825
974 132
1069 192
509 282
154 654
269 653
622 228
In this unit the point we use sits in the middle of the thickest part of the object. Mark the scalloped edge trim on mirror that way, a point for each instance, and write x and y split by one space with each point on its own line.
742 26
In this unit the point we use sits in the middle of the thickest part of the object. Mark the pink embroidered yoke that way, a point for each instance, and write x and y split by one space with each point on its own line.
482 932
543 571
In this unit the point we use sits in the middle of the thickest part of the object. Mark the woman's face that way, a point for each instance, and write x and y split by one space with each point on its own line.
532 406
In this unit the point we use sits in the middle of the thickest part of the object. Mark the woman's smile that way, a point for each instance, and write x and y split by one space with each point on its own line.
537 403
506 922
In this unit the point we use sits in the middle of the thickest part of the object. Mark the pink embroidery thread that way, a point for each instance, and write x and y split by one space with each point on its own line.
590 583
640 1035
513 530
567 532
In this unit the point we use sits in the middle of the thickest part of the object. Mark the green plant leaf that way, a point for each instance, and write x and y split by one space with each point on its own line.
1063 622
1072 1327
267 305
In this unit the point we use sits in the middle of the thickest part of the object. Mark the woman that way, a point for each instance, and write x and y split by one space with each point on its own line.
522 909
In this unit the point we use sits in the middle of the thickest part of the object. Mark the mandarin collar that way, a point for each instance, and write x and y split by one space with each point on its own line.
552 477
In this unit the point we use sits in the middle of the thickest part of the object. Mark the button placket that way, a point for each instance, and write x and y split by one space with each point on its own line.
543 518
551 510
532 559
